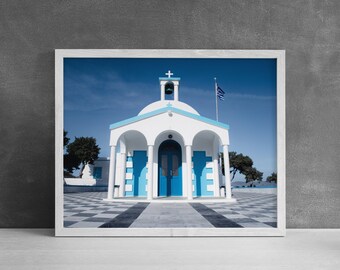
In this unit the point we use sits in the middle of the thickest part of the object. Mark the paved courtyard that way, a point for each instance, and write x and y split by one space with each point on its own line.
88 210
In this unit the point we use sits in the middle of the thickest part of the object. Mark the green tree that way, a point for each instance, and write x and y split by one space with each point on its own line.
252 174
71 162
272 177
239 163
66 139
243 165
85 149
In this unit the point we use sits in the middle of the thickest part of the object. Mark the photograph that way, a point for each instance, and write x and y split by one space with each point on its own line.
170 135
154 143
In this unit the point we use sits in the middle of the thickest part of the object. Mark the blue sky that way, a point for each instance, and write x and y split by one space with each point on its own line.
99 92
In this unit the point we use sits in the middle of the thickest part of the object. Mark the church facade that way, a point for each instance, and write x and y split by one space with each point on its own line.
168 150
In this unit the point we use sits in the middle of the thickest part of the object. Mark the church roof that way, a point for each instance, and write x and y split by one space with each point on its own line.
163 103
167 109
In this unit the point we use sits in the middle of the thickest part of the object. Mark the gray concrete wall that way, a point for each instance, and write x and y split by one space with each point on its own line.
307 30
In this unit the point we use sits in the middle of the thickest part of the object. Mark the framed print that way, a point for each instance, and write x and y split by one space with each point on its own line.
170 142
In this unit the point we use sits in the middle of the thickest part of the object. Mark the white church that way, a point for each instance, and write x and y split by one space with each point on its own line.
167 150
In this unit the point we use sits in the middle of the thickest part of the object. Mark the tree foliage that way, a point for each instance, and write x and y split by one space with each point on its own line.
66 139
272 177
81 151
252 174
85 149
239 163
71 162
242 164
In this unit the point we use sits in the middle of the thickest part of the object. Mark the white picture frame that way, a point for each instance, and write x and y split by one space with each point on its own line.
279 55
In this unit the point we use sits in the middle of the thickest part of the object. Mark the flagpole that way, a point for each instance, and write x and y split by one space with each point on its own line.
216 100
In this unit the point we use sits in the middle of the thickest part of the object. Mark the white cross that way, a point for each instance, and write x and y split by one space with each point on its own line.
169 74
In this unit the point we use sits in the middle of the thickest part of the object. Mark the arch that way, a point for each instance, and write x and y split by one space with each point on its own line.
170 180
205 159
130 136
131 163
176 136
207 135
169 88
163 136
169 91
170 145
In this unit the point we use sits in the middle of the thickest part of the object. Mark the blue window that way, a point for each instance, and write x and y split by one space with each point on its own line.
97 172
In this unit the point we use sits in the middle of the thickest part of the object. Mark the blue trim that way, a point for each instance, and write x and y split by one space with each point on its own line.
129 194
138 181
169 79
200 174
166 109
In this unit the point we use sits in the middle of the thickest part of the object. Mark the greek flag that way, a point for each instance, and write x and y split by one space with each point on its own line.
220 93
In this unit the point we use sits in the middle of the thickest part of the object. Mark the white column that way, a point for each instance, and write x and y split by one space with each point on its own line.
150 171
111 183
216 175
162 91
123 174
189 170
176 91
226 171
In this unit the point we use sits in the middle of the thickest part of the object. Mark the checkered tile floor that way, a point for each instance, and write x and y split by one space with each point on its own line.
251 210
88 210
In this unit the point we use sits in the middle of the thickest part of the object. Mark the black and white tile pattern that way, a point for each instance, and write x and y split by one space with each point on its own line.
251 210
88 210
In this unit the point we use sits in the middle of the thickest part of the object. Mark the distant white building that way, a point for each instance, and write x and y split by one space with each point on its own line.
168 149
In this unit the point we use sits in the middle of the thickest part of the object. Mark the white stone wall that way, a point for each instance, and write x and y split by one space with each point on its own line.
104 163
188 131
152 127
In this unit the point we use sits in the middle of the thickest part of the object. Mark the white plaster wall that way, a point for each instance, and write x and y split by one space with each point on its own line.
87 172
119 170
203 144
134 141
136 146
209 142
153 126
185 130
163 103
217 168
105 164
80 182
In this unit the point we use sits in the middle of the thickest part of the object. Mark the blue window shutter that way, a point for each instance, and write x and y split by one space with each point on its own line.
97 172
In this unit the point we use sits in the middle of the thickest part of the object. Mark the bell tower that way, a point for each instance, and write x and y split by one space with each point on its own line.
169 87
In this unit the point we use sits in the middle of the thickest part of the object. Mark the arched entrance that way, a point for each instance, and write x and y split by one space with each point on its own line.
170 169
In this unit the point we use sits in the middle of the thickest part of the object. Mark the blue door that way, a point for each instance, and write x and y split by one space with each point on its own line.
139 160
170 169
